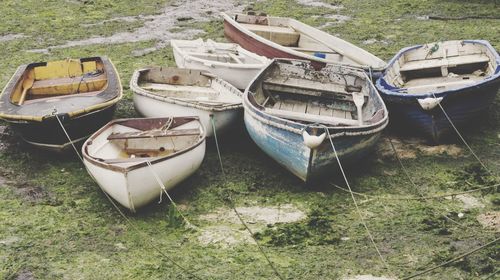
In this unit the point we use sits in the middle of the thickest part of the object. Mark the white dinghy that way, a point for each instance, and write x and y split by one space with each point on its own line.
129 158
228 61
168 91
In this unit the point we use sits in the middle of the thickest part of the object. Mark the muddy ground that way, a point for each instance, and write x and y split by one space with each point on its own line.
57 224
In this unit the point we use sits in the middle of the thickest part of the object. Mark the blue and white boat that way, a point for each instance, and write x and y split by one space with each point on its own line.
462 77
291 111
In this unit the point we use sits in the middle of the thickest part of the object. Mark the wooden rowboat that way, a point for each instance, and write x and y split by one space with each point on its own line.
162 91
128 157
461 76
82 93
291 110
228 61
276 37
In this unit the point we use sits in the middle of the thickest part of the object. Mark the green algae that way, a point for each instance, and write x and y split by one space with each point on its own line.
57 224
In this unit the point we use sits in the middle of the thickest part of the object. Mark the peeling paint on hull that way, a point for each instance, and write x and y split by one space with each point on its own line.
288 149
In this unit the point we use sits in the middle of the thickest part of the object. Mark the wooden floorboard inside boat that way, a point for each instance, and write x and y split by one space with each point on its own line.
311 107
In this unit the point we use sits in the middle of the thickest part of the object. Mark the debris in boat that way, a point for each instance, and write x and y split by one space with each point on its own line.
166 89
286 101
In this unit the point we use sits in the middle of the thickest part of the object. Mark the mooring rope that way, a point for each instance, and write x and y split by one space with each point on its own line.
463 139
362 219
232 205
149 238
164 189
407 174
415 197
452 260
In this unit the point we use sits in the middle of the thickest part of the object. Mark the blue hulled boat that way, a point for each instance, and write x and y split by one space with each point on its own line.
291 110
461 76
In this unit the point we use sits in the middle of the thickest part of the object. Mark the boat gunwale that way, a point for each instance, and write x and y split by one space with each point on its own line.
134 86
229 18
298 128
391 91
153 160
252 66
111 73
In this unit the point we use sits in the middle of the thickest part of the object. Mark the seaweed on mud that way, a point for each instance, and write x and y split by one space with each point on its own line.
318 229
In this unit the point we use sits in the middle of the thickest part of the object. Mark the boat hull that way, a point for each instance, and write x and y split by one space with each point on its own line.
464 108
48 134
138 187
239 75
288 148
262 48
421 107
151 108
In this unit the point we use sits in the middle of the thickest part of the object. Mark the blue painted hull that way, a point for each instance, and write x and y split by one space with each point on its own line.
463 106
282 137
288 149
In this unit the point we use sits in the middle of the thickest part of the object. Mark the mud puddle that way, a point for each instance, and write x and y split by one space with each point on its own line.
159 27
228 229
11 37
319 4
410 148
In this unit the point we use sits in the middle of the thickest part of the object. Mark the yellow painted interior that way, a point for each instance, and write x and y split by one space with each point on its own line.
64 77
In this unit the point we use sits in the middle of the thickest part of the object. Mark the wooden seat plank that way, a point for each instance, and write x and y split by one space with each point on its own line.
440 62
153 133
329 120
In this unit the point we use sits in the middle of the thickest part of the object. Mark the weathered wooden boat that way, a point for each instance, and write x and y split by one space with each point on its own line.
292 111
82 93
276 37
461 76
129 158
228 61
162 91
